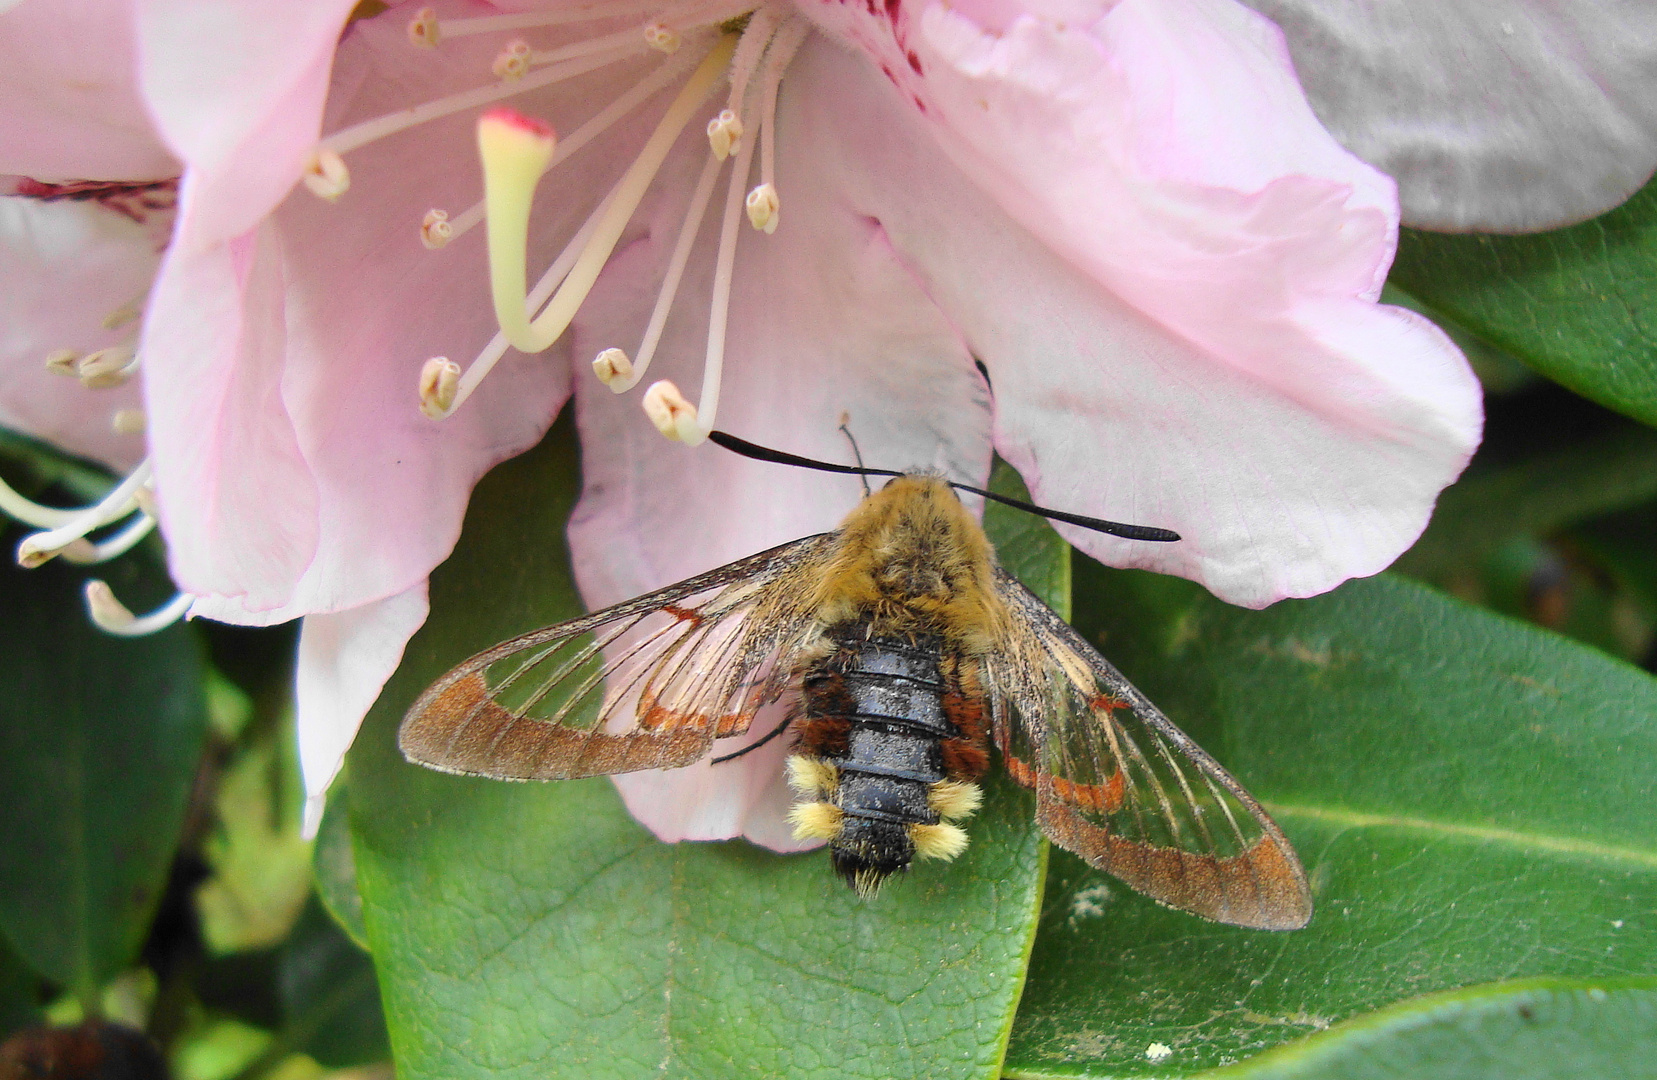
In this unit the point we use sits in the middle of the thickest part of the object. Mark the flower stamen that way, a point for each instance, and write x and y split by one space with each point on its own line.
663 39
360 135
325 174
673 416
512 166
613 368
512 63
719 314
128 422
83 552
127 313
725 134
107 368
623 39
489 24
424 31
439 379
113 617
435 229
763 203
37 548
30 512
491 353
692 225
762 26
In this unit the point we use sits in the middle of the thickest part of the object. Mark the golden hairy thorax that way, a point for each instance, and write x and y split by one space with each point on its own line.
910 560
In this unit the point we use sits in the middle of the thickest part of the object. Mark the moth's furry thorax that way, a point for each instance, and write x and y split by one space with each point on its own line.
911 560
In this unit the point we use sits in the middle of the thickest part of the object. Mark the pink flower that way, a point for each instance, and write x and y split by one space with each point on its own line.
1127 213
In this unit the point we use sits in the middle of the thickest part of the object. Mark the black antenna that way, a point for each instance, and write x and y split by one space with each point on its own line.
778 457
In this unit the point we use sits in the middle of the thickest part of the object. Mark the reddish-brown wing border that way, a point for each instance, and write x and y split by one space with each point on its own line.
723 652
1040 692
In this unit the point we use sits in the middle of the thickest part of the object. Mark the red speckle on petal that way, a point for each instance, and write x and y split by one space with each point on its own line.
135 200
892 8
915 62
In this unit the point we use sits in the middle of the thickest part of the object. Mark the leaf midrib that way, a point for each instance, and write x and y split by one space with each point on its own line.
1646 860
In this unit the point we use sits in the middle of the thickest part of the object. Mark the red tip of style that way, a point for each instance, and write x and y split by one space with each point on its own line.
500 114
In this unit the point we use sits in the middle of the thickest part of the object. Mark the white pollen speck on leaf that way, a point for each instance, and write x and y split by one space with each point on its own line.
1089 903
1158 1052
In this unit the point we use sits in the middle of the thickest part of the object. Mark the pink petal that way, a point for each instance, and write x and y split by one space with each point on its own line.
1292 432
297 473
237 89
64 268
69 102
748 797
344 660
238 501
824 321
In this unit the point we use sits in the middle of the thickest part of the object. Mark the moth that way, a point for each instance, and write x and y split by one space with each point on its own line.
909 658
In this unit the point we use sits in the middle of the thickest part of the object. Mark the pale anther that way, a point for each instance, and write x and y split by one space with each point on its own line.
612 366
725 134
673 416
326 175
512 62
107 367
127 422
423 29
144 496
435 230
85 553
62 361
439 378
37 548
126 313
112 617
662 38
763 205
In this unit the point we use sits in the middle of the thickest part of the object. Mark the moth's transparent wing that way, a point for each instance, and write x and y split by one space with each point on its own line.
1118 784
646 684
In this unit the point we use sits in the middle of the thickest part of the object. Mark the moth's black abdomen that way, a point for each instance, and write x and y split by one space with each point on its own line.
871 750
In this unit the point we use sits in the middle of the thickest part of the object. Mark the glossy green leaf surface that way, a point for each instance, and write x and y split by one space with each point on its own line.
1527 1029
1027 545
537 931
1576 304
335 865
1473 799
99 743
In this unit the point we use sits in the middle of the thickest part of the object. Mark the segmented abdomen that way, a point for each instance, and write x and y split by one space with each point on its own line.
889 749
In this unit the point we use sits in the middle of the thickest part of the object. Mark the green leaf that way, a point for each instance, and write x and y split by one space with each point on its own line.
1607 472
1473 800
1026 544
537 931
99 742
335 865
1576 304
1527 1029
19 993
